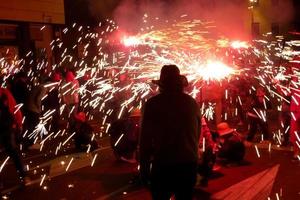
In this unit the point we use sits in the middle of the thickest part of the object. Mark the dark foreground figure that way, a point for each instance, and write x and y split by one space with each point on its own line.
124 136
169 139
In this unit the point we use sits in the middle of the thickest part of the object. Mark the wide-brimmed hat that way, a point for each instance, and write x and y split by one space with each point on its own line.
80 116
224 129
170 76
135 113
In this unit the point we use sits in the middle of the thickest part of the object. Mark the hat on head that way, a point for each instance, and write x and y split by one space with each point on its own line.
224 129
80 116
170 76
135 113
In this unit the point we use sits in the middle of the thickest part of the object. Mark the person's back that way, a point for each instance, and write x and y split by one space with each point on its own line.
169 139
174 117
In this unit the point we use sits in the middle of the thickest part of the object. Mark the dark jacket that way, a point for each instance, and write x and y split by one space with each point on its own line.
170 130
232 148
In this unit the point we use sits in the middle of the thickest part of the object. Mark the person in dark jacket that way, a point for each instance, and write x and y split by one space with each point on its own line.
124 136
231 146
258 116
169 138
83 133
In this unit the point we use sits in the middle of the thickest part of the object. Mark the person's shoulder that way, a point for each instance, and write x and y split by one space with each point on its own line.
189 98
154 99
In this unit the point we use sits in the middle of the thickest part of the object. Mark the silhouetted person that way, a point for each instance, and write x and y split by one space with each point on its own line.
231 146
83 133
33 110
258 116
19 87
169 138
52 100
124 136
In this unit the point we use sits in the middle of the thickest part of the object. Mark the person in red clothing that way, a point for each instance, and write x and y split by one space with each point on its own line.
70 95
292 93
83 133
11 121
207 153
295 116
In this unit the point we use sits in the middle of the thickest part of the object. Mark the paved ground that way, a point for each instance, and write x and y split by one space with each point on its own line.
268 172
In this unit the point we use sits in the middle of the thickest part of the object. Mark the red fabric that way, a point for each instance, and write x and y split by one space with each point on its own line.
12 107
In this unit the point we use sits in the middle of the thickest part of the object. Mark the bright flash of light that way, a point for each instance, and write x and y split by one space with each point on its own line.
215 70
132 41
239 44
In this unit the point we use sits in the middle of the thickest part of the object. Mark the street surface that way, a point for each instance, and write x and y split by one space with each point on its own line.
267 172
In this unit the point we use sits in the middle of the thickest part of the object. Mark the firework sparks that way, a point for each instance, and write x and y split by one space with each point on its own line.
3 164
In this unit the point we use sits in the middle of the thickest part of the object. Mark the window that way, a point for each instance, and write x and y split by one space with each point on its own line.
255 29
275 28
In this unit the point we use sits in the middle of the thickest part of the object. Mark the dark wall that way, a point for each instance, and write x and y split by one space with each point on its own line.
297 15
78 11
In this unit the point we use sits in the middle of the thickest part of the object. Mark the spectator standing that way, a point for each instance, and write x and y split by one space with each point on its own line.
169 139
258 116
10 121
70 95
33 110
83 133
124 136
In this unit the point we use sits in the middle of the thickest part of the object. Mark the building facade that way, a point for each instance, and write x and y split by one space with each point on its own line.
271 16
29 26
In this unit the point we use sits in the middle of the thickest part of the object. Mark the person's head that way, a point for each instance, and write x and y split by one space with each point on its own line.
224 129
80 117
170 79
70 76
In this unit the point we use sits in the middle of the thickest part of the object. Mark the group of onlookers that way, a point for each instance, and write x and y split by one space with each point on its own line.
176 143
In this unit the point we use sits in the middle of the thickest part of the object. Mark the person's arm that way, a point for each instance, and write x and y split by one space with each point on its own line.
18 117
146 144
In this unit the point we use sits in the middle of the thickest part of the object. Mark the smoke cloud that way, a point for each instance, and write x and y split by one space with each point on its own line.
231 17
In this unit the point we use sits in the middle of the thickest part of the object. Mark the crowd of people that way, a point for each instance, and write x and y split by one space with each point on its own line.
176 142
22 104
170 135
